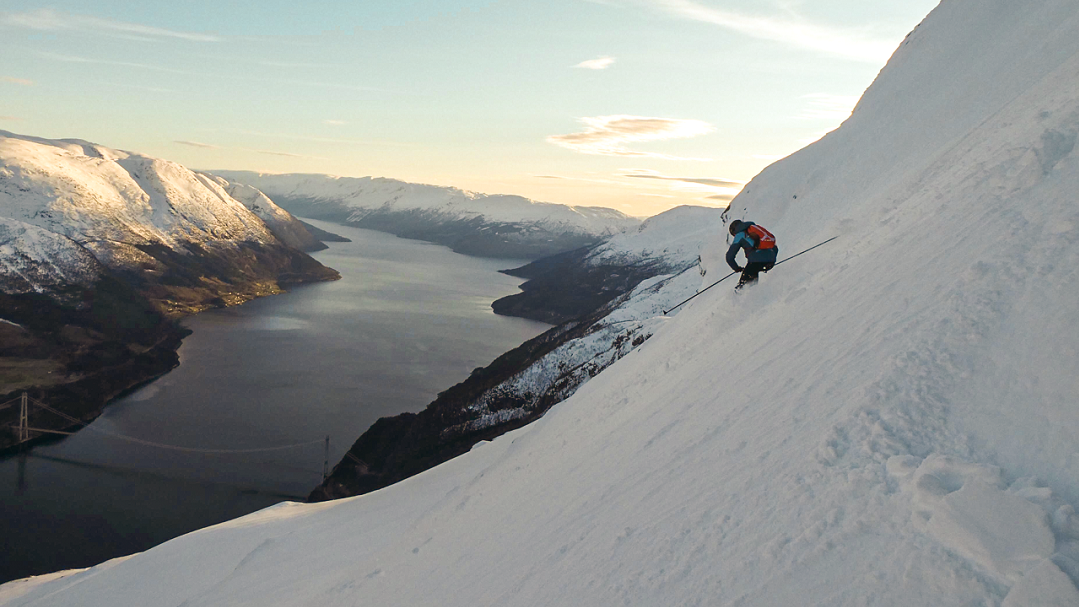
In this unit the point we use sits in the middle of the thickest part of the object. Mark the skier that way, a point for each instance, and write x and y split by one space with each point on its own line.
760 250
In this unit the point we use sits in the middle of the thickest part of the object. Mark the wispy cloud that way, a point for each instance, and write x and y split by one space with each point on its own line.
609 135
711 188
210 146
709 181
334 122
855 44
22 81
52 20
139 87
600 63
134 64
314 139
285 154
824 106
11 118
168 70
197 144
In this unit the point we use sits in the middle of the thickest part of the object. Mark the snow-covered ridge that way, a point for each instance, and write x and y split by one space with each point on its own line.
888 420
278 220
64 201
505 225
674 237
370 193
91 193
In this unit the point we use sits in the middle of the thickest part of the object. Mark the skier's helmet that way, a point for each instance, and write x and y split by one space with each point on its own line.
737 223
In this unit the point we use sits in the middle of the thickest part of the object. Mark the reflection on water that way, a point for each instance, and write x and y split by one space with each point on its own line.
406 321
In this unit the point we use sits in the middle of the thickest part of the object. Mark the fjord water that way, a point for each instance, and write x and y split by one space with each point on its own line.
407 320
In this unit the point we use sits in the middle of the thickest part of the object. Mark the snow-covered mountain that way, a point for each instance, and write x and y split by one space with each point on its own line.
888 420
467 222
66 203
279 221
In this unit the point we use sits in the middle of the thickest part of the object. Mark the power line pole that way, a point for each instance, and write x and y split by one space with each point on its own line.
24 419
326 462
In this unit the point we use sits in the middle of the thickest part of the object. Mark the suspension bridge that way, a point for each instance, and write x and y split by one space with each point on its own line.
24 433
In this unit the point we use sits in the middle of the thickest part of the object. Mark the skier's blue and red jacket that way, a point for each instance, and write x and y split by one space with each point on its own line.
744 239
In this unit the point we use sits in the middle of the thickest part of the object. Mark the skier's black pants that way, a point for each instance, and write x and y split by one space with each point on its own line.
752 269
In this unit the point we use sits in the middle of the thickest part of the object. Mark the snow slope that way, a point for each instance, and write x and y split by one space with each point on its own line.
888 420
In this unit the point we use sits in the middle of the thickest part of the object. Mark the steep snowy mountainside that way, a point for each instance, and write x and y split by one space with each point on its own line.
888 420
941 87
178 235
468 222
284 226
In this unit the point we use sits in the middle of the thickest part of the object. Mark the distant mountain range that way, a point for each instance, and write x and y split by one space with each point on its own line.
470 223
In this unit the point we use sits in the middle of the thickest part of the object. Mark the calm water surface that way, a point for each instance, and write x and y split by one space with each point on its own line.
407 320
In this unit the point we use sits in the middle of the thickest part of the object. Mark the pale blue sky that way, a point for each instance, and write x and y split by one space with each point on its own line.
576 101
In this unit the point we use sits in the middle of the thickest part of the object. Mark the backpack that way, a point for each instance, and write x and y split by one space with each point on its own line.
765 239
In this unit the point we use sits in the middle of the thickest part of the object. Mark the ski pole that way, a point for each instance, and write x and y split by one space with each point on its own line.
665 312
807 250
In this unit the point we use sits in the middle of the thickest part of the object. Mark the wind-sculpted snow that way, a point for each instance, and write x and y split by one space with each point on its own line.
889 420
